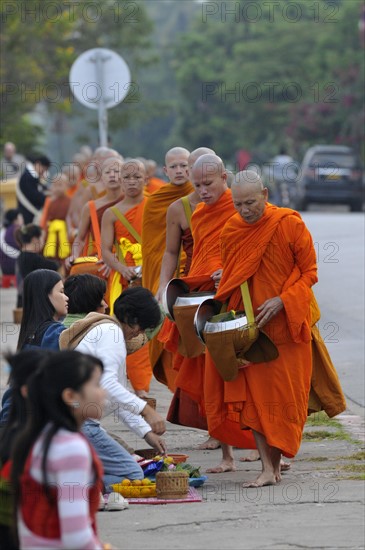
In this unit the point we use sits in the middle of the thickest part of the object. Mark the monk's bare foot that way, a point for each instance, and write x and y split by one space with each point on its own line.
284 466
261 481
224 466
251 457
142 394
210 444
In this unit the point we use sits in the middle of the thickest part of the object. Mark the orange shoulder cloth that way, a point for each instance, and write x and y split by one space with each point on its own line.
243 245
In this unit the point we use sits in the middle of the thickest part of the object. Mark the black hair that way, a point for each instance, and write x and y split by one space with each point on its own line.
37 307
63 369
10 216
25 234
22 365
85 292
138 306
42 159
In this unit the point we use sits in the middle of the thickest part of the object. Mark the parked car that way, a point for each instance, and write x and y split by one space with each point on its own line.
331 174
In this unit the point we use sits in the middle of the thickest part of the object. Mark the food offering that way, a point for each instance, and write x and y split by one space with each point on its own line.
135 488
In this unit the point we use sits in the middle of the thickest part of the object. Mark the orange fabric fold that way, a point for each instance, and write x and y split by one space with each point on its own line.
207 222
154 230
153 248
277 257
139 369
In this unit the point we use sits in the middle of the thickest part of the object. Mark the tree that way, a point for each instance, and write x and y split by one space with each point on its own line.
41 39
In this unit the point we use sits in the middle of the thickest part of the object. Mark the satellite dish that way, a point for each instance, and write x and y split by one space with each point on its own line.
100 79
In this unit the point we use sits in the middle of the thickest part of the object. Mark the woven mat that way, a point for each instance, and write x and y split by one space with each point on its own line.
193 496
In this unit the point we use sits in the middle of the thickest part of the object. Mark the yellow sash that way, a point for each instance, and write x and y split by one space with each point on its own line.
124 246
57 234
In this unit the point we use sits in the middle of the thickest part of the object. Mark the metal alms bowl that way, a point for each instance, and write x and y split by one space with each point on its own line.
174 289
205 311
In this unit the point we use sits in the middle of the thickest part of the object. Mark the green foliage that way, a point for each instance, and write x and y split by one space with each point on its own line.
40 41
255 84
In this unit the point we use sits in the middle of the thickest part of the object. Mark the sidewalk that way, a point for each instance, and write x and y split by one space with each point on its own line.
319 503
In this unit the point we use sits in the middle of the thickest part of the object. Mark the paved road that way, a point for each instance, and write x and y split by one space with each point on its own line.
339 241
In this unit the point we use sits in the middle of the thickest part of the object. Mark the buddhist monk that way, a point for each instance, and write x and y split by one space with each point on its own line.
272 249
178 234
154 240
53 220
90 185
86 243
209 177
115 229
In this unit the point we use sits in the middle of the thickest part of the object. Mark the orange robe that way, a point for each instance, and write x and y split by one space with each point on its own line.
154 184
207 222
277 257
154 244
139 369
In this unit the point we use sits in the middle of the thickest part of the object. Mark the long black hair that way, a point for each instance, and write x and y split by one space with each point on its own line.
37 307
45 405
22 365
85 292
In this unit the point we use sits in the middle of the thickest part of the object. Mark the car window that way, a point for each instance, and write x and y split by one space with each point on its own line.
333 159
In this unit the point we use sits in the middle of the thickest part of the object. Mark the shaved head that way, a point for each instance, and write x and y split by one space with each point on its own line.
176 152
134 165
209 177
249 195
194 155
105 152
209 163
176 165
248 178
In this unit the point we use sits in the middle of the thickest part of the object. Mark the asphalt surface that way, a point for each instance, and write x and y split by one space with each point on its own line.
319 503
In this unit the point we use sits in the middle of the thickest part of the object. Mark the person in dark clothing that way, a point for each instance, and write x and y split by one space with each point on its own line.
31 238
45 305
9 247
29 191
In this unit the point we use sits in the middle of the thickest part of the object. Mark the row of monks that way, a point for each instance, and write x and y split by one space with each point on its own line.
215 237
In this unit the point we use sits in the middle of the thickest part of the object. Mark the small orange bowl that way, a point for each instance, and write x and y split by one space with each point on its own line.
178 458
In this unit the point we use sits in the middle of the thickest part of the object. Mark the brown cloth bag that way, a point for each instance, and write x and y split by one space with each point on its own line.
189 344
229 348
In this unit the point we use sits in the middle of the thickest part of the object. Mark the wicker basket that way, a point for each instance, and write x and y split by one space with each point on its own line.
171 485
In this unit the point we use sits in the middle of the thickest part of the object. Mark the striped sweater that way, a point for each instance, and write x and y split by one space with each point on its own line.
69 469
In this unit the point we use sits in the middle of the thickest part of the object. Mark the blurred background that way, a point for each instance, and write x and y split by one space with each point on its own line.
243 77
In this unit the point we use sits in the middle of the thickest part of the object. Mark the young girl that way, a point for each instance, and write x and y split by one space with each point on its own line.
12 418
45 303
56 475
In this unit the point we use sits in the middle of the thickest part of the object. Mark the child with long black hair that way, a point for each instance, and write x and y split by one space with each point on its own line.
55 474
12 419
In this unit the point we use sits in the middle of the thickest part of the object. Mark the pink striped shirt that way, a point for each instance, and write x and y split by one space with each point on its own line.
69 468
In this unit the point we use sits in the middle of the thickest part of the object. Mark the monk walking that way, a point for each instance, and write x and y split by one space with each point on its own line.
154 240
209 178
179 235
271 249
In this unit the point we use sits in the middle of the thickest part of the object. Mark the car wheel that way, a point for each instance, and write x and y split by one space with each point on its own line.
356 207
